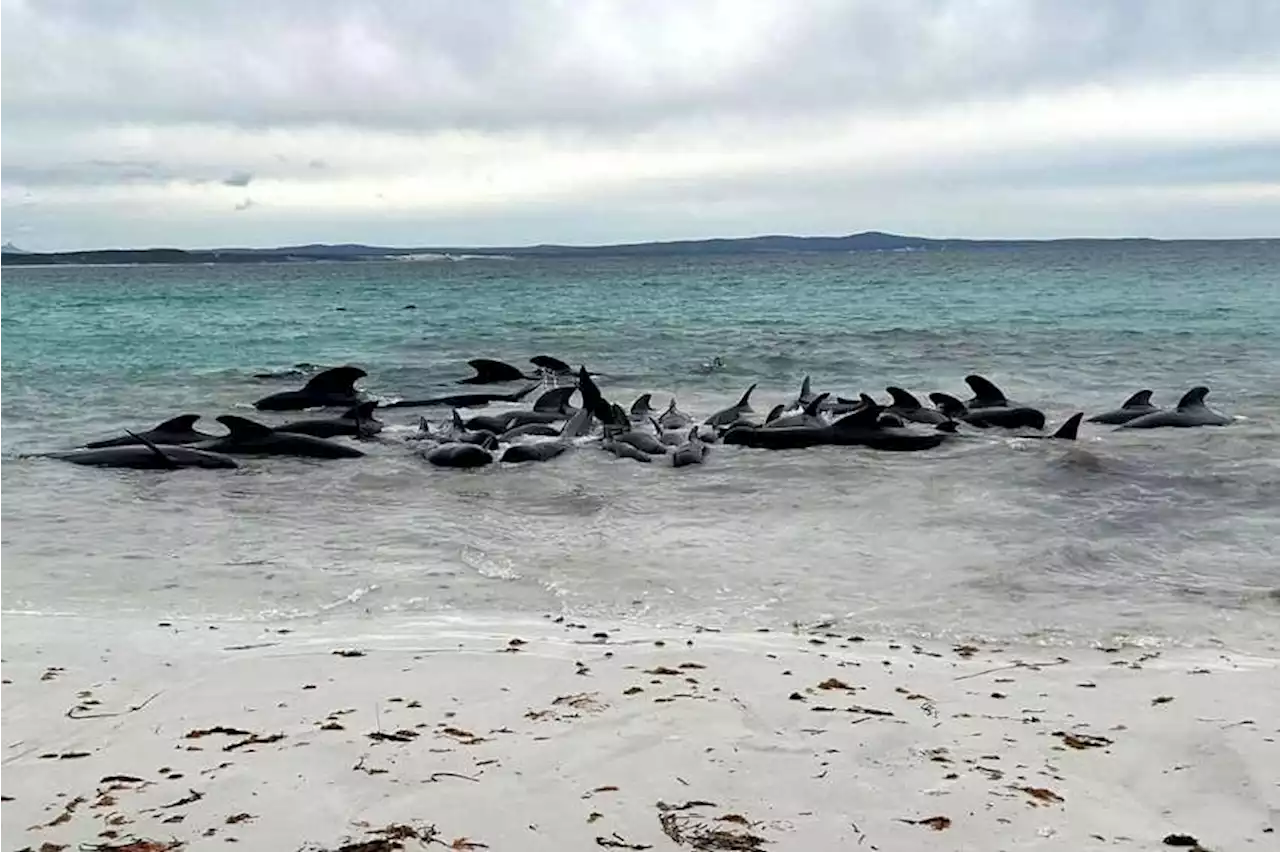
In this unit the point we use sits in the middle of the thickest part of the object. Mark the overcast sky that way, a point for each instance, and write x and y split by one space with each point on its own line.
216 122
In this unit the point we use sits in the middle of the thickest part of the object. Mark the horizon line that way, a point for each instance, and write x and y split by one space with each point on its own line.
9 246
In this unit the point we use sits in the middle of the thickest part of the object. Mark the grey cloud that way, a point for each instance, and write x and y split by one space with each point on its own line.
246 204
502 65
239 179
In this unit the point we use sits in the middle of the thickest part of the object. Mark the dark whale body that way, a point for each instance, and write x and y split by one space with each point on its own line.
250 438
332 388
1133 408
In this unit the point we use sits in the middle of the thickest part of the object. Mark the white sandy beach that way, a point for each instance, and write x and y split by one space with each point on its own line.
545 735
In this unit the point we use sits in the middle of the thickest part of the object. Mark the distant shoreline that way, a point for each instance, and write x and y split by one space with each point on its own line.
866 241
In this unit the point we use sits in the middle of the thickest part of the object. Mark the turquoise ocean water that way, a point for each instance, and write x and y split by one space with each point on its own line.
1163 536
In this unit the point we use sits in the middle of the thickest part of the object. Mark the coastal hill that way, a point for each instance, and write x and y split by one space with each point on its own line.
776 244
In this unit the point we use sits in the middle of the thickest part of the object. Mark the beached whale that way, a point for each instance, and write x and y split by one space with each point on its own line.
642 408
860 428
357 422
734 413
1000 416
674 418
250 438
551 407
906 406
1133 408
463 400
692 451
458 455
529 451
1191 411
146 455
176 430
332 388
807 417
491 372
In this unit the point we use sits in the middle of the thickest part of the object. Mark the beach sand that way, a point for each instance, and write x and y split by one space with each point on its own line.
519 735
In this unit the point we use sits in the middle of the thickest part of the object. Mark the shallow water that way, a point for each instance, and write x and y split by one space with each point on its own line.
1162 536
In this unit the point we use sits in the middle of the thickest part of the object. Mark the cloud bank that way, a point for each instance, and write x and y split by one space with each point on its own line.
511 122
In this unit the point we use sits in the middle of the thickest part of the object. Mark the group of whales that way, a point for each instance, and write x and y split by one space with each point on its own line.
552 425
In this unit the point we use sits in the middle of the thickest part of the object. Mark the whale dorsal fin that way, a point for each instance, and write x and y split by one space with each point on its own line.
550 364
336 380
671 407
805 388
948 404
489 370
1068 430
745 401
903 399
866 401
363 411
618 416
1141 399
555 399
863 418
811 409
181 423
151 445
1193 397
242 428
457 421
643 403
774 413
985 392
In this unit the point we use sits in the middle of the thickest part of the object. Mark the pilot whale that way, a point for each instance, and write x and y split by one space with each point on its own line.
176 430
334 387
1191 411
145 454
250 438
1133 408
358 422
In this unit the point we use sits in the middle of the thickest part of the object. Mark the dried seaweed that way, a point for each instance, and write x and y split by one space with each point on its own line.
1082 741
401 736
191 797
254 740
1041 794
615 841
217 729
